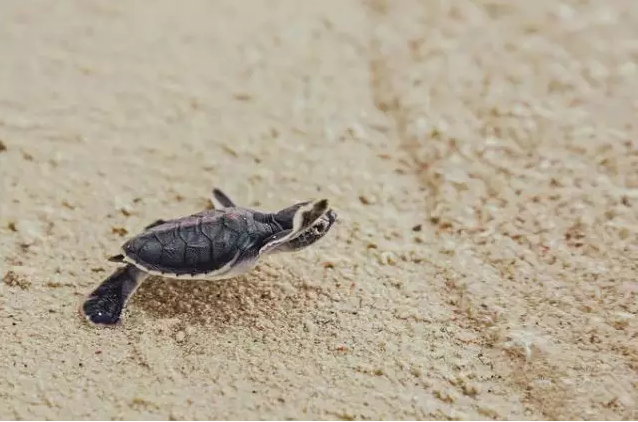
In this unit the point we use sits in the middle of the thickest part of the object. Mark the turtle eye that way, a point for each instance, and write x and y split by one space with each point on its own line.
320 227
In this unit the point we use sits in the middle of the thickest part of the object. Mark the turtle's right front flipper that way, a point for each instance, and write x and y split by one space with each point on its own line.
106 303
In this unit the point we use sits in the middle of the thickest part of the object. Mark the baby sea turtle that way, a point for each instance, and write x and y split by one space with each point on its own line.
211 245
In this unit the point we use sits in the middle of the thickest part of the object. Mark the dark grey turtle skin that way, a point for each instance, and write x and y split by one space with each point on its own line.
211 245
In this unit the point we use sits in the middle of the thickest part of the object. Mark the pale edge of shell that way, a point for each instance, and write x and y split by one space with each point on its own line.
219 274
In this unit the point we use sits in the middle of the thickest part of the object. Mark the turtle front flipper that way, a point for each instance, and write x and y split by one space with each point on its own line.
106 303
305 216
221 200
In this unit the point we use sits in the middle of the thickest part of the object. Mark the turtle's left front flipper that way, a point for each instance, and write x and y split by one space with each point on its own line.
106 303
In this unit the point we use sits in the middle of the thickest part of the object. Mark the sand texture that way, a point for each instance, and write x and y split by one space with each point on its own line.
482 156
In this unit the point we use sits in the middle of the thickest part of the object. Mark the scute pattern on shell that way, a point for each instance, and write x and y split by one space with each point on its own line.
197 245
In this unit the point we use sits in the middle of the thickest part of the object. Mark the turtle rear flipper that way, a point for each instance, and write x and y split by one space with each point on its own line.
305 216
105 304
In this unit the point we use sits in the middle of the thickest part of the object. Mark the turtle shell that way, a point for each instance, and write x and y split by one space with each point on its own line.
208 244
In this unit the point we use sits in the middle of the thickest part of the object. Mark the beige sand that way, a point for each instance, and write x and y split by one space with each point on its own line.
482 156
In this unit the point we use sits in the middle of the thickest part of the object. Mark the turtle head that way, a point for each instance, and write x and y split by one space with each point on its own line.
311 235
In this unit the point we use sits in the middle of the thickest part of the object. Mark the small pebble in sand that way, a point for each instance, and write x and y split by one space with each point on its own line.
119 231
67 205
126 211
621 320
416 371
3 147
468 388
444 396
367 199
54 284
17 277
242 96
180 336
356 131
488 411
342 348
387 258
27 156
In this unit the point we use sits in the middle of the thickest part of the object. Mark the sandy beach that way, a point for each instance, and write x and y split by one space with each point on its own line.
482 157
